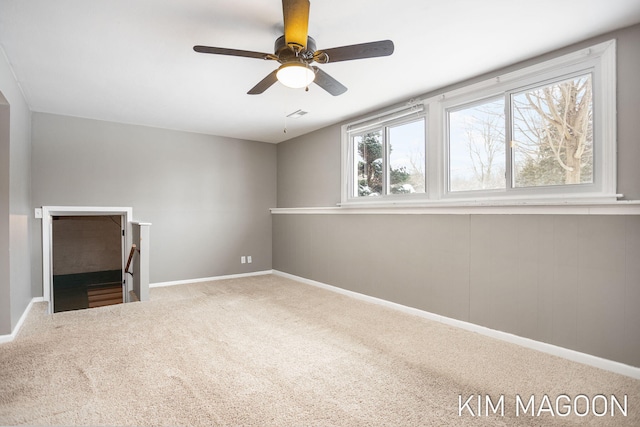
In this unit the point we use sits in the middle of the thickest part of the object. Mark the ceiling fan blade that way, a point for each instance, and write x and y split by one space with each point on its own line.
296 23
233 52
355 51
264 84
328 83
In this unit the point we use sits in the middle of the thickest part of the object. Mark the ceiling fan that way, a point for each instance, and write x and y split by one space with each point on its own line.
296 51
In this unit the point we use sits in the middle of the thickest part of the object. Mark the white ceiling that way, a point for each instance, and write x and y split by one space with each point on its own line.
132 61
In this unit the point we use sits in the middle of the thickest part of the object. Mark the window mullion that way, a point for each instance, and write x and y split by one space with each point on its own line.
436 153
462 158
508 138
353 168
386 179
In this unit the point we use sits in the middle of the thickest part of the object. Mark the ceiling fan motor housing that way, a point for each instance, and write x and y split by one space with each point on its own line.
287 54
296 56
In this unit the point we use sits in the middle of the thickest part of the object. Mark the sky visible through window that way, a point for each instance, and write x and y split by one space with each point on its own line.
407 156
476 147
542 132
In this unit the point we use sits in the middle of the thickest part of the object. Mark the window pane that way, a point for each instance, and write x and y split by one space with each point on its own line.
406 158
476 147
368 151
553 134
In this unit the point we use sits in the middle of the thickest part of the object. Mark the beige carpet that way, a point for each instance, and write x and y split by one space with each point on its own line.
268 351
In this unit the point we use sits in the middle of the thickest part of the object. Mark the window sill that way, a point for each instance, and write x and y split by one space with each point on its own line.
630 207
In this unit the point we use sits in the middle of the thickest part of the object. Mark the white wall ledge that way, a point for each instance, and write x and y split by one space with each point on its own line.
631 207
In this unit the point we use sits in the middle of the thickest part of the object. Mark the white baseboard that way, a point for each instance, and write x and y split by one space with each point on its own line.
14 333
10 337
210 279
576 356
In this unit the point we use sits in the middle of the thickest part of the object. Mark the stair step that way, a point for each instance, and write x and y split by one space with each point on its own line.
102 296
103 291
93 304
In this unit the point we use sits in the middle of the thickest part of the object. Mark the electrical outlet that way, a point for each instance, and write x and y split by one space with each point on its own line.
249 259
243 260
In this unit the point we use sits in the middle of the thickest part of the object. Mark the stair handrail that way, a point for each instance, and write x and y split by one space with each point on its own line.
131 253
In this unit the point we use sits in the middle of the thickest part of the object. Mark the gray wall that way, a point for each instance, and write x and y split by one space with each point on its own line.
15 185
309 170
568 280
5 197
628 102
317 155
207 197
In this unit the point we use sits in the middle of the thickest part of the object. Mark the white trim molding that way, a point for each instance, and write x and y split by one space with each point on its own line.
210 279
48 212
10 337
597 61
575 356
631 207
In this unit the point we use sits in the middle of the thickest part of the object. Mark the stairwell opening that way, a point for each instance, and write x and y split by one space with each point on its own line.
86 261
84 248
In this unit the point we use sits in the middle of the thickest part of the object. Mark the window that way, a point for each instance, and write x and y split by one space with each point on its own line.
476 146
389 158
406 157
369 163
552 134
545 133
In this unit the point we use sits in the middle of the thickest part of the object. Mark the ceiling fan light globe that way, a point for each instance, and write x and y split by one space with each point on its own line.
295 75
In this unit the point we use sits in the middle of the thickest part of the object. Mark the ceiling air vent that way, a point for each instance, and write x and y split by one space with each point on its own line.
297 114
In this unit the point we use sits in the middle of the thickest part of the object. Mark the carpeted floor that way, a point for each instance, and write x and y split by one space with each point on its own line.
268 351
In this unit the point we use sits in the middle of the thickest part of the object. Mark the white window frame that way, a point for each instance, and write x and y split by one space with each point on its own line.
407 114
599 60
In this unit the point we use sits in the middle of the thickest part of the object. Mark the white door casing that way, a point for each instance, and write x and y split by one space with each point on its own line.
48 212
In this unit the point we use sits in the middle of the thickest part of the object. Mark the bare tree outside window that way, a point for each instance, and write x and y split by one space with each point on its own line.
552 139
476 147
545 132
553 134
